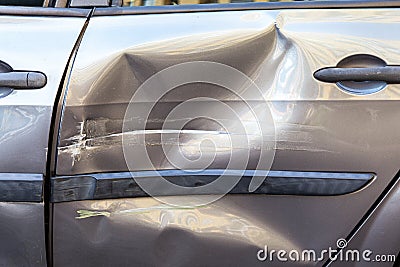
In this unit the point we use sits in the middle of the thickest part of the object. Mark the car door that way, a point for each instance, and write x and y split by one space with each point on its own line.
36 44
303 90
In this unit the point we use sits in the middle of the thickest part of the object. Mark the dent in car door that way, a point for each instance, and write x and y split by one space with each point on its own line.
32 39
322 133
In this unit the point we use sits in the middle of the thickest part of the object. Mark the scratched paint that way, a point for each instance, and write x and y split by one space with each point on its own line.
318 128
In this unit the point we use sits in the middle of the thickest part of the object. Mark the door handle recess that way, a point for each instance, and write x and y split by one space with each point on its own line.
387 74
23 80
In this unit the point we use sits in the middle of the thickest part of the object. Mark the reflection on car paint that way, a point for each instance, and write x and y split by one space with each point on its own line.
318 128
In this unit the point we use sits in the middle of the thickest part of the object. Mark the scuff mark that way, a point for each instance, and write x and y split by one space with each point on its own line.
80 143
374 113
84 214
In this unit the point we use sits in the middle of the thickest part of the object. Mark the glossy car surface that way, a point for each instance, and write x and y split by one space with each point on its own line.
306 92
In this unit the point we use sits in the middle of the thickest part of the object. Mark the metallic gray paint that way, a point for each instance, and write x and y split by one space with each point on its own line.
280 59
44 44
22 234
144 232
380 233
319 128
25 115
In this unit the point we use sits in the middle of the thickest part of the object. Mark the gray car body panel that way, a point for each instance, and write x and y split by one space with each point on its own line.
379 233
39 44
22 234
318 127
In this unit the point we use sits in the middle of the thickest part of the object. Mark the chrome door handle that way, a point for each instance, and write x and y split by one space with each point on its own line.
22 80
11 79
387 74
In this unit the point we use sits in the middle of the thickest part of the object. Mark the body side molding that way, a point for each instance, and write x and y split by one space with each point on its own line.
121 184
21 187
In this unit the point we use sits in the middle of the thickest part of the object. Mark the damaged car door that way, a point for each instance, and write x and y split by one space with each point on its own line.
298 100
